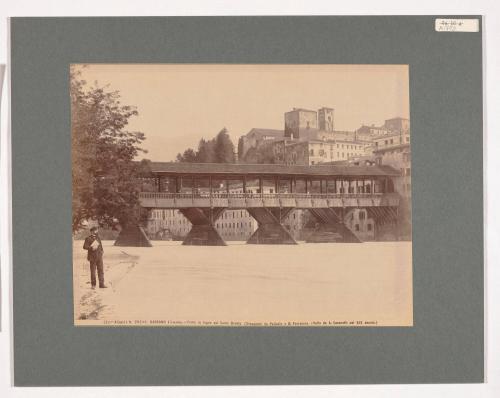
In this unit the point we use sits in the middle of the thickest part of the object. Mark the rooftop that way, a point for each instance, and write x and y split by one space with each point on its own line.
301 110
397 118
266 132
391 148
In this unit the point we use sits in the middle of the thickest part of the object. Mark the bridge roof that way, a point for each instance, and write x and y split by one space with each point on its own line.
180 168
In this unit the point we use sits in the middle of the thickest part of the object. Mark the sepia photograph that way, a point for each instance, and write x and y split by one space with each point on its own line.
233 195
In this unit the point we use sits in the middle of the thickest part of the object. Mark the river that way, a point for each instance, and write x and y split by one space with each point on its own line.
314 284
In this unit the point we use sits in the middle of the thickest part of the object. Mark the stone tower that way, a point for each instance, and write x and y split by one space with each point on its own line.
299 120
325 119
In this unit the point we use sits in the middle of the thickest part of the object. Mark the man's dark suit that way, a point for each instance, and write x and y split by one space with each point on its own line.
95 259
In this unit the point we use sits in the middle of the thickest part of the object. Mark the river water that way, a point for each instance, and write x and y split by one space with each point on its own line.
315 284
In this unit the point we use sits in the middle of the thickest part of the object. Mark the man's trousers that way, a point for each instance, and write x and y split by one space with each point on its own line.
96 264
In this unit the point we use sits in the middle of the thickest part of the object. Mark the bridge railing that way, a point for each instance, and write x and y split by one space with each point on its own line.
245 200
167 195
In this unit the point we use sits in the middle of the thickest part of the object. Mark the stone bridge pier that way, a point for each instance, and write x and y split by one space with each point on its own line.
203 232
270 226
331 227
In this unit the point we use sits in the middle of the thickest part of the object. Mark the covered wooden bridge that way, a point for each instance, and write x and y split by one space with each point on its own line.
201 192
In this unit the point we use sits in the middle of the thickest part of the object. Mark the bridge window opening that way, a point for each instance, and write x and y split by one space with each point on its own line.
168 184
202 186
149 184
300 186
185 185
390 186
330 186
315 186
219 186
268 185
235 185
252 185
284 186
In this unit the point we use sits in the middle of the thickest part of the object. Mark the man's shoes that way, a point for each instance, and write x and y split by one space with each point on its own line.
92 287
103 287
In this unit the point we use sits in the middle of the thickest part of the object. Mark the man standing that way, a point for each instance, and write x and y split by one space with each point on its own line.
95 252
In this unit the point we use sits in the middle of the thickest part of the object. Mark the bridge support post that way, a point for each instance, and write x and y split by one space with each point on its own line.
203 232
331 228
386 223
270 230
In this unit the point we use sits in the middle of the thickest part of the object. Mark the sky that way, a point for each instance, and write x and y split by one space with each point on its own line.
179 104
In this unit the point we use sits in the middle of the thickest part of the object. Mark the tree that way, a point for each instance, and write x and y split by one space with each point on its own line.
224 148
217 150
206 153
240 148
189 155
106 182
264 155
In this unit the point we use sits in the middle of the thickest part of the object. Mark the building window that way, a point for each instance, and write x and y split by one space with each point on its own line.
356 227
369 226
361 215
